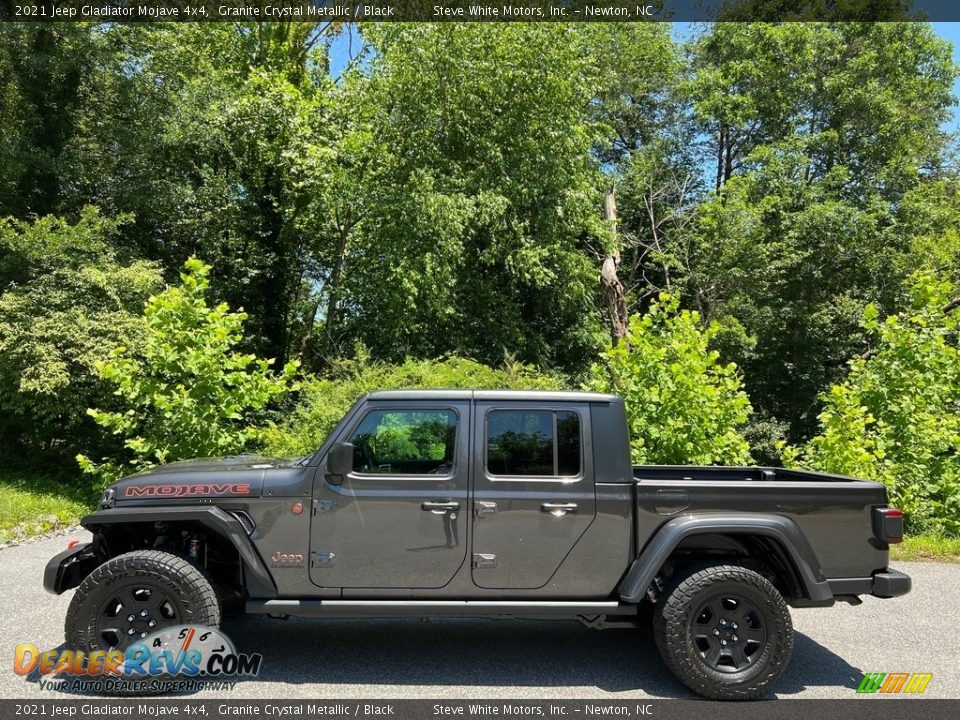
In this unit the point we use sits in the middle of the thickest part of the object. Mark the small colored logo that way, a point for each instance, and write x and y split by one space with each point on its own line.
894 683
185 657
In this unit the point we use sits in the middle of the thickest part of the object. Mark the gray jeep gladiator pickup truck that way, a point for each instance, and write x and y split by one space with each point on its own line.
495 504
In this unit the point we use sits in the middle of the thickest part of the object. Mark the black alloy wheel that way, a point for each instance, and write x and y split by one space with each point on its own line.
134 611
729 632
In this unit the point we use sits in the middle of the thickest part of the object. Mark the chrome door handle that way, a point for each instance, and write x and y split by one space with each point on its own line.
439 507
558 509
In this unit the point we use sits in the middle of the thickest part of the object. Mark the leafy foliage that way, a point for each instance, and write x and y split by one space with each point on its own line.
65 295
203 136
471 205
683 404
187 392
324 401
896 418
817 134
42 72
441 197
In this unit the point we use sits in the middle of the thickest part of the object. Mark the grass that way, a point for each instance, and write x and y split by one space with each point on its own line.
32 503
927 547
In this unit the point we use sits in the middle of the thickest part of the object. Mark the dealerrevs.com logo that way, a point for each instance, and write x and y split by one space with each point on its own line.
894 683
175 659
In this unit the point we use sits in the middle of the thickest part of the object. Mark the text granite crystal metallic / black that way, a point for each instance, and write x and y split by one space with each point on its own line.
499 504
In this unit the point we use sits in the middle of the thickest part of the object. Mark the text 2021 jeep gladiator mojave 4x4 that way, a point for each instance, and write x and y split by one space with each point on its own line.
496 504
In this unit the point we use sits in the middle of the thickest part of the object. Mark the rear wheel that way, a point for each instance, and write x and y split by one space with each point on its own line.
725 632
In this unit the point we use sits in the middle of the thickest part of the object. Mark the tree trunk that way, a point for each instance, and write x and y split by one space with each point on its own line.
721 139
309 320
333 286
274 286
728 160
612 287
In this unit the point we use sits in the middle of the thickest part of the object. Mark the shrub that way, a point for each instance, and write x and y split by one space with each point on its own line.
896 418
65 295
187 392
684 406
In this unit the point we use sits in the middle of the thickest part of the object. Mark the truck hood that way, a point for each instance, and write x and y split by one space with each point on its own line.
234 463
232 477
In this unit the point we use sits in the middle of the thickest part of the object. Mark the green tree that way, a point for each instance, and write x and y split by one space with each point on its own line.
205 135
187 392
478 199
650 147
870 97
324 400
44 68
684 405
822 135
896 418
65 295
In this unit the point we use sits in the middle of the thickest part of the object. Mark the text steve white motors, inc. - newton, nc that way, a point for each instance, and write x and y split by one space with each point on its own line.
523 11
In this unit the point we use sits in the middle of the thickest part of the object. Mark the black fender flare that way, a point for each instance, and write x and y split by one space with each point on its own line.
781 529
258 581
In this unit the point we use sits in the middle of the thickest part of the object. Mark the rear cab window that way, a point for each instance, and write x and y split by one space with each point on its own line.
533 443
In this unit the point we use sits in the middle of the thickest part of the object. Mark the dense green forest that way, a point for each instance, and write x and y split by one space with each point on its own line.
750 233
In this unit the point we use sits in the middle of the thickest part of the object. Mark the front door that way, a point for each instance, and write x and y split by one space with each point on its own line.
396 521
534 491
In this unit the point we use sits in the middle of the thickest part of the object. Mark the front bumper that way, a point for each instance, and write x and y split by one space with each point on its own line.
67 569
882 584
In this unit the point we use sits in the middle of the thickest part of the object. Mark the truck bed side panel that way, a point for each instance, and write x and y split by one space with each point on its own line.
834 516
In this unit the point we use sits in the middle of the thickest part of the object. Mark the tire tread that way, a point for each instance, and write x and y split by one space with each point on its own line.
196 593
670 632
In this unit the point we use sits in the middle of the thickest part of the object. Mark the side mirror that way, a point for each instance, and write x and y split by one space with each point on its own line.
339 462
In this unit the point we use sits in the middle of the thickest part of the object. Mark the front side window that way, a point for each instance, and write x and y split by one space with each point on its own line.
405 442
533 442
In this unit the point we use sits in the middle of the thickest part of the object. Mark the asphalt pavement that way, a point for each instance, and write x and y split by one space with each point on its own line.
394 659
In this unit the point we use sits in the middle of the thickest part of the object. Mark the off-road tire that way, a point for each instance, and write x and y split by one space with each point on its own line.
679 625
188 588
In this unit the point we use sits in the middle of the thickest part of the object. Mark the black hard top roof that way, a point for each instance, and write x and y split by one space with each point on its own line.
499 395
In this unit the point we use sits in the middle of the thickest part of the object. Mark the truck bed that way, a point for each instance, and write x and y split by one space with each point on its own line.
834 512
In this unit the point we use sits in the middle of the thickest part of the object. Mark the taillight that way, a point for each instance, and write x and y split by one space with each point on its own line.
888 524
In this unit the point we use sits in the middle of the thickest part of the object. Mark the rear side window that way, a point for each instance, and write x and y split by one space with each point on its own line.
543 443
405 442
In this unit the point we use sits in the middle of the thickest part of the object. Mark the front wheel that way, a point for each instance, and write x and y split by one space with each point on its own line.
725 632
136 594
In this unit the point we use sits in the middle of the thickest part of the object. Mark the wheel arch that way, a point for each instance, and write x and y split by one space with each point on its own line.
776 539
225 528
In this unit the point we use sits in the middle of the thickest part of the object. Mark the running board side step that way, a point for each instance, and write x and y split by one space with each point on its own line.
345 609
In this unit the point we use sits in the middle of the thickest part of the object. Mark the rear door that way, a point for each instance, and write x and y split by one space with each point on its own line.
534 491
397 520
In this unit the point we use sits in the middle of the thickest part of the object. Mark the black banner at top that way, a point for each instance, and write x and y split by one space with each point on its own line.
478 10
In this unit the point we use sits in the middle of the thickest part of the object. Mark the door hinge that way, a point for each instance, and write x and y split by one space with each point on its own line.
321 559
482 508
484 560
322 506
